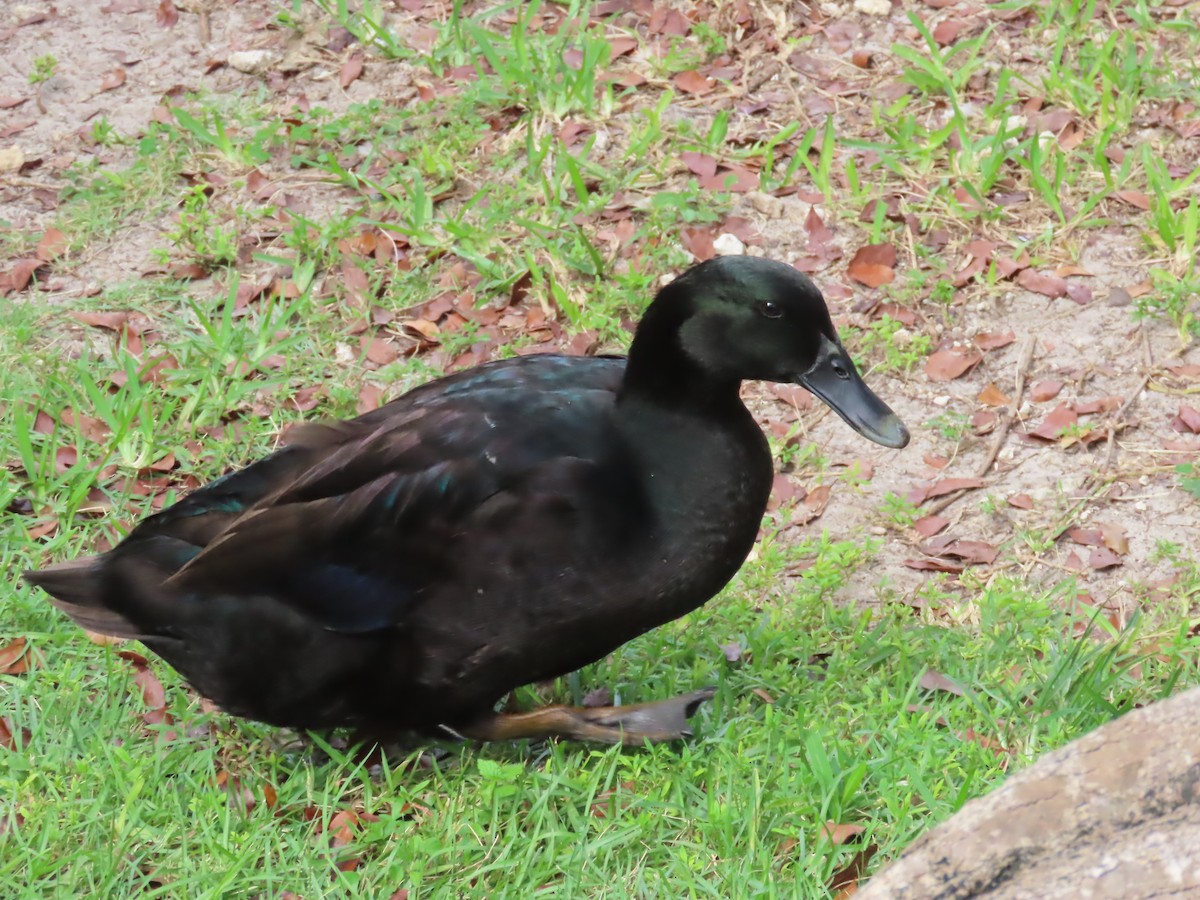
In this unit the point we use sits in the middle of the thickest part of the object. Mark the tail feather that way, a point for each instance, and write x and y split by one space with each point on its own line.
74 587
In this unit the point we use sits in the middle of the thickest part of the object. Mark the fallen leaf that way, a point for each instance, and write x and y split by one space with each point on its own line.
1189 418
942 487
380 350
699 163
984 421
936 681
692 82
1047 285
841 833
53 244
946 365
1021 501
928 526
784 491
1103 558
993 340
1135 198
1051 428
934 565
112 79
113 321
873 265
1101 404
763 695
968 551
1115 538
1045 390
947 30
14 657
993 396
351 69
844 883
1088 537
167 15
698 241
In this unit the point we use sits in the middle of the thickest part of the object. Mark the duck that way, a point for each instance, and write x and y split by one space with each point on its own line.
504 525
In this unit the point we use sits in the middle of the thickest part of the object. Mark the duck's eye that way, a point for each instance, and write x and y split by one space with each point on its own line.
839 369
770 309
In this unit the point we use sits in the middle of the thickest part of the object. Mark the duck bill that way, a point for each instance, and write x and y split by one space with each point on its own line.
836 382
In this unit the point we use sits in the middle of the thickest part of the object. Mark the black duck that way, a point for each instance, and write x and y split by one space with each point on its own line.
495 527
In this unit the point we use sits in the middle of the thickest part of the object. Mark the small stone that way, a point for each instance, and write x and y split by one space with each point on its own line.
941 400
252 62
769 206
874 7
726 244
11 159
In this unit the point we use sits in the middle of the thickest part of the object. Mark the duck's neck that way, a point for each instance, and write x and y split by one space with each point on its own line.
660 373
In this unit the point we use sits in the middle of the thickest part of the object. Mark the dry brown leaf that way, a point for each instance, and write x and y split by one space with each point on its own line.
692 82
946 365
1115 538
1088 537
1047 285
380 350
52 245
839 833
699 163
1135 198
993 396
112 79
1189 418
934 565
993 340
1021 501
928 526
1103 558
351 69
936 681
1045 390
167 15
14 657
873 265
1051 428
984 421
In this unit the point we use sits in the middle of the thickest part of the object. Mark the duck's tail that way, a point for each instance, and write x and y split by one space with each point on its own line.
75 588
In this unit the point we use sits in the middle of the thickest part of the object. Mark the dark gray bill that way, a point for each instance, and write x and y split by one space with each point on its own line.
834 379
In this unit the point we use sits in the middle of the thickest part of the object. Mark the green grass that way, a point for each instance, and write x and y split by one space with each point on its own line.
822 718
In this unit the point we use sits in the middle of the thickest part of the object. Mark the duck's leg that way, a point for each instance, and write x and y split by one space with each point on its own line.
664 720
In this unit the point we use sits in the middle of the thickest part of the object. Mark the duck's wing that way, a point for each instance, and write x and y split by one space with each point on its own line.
366 528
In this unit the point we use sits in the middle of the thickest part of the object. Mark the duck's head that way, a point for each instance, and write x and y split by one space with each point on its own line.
741 317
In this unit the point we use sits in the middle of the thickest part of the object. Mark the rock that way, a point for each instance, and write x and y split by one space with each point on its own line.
770 206
252 62
11 158
1115 814
874 7
726 244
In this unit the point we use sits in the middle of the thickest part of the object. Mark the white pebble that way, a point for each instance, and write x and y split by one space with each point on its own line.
252 62
726 244
874 7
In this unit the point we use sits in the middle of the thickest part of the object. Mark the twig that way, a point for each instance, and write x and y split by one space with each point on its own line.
1002 429
1110 453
